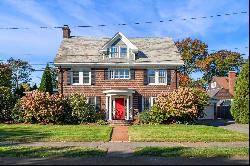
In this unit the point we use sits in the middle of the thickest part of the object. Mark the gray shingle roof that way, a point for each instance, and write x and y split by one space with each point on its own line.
87 50
213 92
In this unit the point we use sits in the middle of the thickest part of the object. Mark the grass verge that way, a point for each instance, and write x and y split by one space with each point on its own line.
35 151
193 151
184 133
36 132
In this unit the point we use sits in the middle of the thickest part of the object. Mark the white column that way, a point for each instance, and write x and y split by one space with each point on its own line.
127 118
107 107
110 107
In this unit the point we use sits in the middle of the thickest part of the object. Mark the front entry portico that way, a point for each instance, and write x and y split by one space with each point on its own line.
119 104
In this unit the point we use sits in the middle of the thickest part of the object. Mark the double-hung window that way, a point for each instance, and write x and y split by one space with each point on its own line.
119 74
123 52
118 52
158 76
91 101
151 76
148 102
94 101
114 52
75 77
162 76
81 77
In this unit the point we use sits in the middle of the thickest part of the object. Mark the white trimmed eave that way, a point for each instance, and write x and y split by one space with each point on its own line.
123 38
169 64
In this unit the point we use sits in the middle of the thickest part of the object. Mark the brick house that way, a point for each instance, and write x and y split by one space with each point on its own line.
221 90
118 75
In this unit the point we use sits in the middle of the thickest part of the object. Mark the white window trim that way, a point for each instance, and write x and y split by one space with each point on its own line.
113 78
119 51
87 97
80 77
157 77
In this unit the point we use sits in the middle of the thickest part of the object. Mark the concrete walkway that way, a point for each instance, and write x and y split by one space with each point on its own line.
125 149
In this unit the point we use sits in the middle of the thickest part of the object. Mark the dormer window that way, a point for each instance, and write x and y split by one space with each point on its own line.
114 52
119 47
118 52
123 52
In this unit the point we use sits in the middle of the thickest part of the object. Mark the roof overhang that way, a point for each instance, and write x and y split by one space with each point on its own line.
119 91
165 65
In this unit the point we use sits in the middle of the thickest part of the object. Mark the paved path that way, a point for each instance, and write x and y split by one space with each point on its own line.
119 133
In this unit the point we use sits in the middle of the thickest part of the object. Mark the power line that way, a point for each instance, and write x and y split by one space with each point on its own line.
124 24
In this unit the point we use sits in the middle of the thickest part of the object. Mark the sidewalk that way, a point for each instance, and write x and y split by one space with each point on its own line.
125 149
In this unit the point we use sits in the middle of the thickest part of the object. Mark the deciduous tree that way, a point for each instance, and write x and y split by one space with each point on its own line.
21 71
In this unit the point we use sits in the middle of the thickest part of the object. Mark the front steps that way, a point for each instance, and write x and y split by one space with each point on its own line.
120 122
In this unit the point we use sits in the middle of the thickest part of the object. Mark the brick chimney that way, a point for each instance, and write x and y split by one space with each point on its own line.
66 31
231 81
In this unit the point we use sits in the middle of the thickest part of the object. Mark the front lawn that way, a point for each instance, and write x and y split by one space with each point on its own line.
35 151
193 152
36 132
183 133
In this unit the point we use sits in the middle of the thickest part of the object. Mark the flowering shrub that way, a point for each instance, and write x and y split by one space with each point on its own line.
183 105
42 107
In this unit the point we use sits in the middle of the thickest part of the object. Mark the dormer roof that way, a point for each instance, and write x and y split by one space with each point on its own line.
123 38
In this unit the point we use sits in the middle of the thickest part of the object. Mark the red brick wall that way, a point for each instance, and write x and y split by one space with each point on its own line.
100 85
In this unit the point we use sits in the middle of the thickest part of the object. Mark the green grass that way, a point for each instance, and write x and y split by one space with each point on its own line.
183 133
36 132
33 151
193 152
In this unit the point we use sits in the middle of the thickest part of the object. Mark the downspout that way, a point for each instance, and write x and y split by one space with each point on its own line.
61 72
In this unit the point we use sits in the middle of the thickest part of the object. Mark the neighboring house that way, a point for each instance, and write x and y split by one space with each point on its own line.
118 75
221 91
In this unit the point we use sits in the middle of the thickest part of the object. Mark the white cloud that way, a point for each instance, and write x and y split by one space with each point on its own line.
33 10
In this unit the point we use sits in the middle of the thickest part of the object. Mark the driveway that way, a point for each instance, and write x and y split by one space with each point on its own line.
226 124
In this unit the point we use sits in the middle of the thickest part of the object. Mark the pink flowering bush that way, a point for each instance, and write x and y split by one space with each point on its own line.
183 105
180 105
42 107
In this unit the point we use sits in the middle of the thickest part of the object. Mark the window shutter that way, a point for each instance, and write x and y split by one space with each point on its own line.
69 77
98 103
168 77
132 74
140 103
92 76
107 51
145 76
106 74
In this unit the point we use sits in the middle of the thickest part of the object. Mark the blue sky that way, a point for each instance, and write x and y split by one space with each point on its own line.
38 45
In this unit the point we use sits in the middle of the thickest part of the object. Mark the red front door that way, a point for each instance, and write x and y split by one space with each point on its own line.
119 108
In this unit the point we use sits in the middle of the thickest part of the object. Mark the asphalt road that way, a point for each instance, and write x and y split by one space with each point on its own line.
135 160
